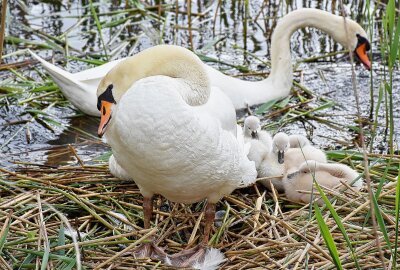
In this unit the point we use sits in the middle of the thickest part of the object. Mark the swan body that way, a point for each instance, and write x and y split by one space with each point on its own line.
328 175
170 135
173 133
116 170
80 88
189 150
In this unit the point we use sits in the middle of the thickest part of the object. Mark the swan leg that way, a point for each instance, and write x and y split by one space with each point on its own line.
191 256
149 250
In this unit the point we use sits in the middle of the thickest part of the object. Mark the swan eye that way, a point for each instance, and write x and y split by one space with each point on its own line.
362 40
106 96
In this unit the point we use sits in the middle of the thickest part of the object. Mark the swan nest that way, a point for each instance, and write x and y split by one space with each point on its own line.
257 229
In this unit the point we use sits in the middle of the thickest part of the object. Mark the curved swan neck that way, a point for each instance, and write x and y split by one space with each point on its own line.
168 60
280 44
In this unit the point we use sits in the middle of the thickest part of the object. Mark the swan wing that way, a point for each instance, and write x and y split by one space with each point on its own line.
219 106
81 95
174 149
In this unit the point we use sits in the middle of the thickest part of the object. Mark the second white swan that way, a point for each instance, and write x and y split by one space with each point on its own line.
80 88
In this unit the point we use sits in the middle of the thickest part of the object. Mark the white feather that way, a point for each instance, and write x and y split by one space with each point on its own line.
212 259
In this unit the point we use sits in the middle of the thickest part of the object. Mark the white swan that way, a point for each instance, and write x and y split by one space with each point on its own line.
328 175
80 88
171 132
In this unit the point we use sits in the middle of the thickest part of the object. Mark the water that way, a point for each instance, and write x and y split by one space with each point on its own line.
216 34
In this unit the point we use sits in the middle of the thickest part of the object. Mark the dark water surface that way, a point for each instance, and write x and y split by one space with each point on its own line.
221 32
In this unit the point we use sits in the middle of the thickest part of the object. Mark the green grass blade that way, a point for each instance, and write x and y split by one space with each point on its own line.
394 46
381 223
45 259
4 232
338 223
27 260
61 239
98 25
326 234
397 220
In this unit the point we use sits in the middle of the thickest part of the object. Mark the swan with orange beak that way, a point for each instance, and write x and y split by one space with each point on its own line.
173 134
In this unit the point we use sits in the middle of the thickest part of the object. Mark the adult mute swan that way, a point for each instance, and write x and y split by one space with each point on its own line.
173 133
80 88
328 175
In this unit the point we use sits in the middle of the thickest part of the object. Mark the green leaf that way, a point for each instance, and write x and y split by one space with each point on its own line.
283 103
266 106
326 234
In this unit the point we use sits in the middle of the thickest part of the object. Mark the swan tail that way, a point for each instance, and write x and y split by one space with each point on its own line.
212 259
55 72
82 96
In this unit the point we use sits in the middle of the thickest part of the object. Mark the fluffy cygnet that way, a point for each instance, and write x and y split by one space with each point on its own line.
328 175
294 157
298 141
260 140
273 163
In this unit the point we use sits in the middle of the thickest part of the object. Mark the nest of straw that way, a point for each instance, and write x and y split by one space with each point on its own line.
258 230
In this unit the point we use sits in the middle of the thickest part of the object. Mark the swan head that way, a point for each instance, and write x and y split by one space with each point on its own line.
357 40
167 60
280 144
252 127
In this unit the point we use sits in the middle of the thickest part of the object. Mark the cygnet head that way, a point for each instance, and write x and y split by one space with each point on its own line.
252 126
308 166
280 144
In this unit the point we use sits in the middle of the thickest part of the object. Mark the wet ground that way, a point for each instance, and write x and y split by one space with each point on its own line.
217 31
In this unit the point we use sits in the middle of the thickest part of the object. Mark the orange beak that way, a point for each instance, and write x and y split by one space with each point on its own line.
105 117
361 52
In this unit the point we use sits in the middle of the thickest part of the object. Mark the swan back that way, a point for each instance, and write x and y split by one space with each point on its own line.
83 96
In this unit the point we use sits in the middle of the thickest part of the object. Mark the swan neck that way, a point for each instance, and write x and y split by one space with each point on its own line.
167 60
280 44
